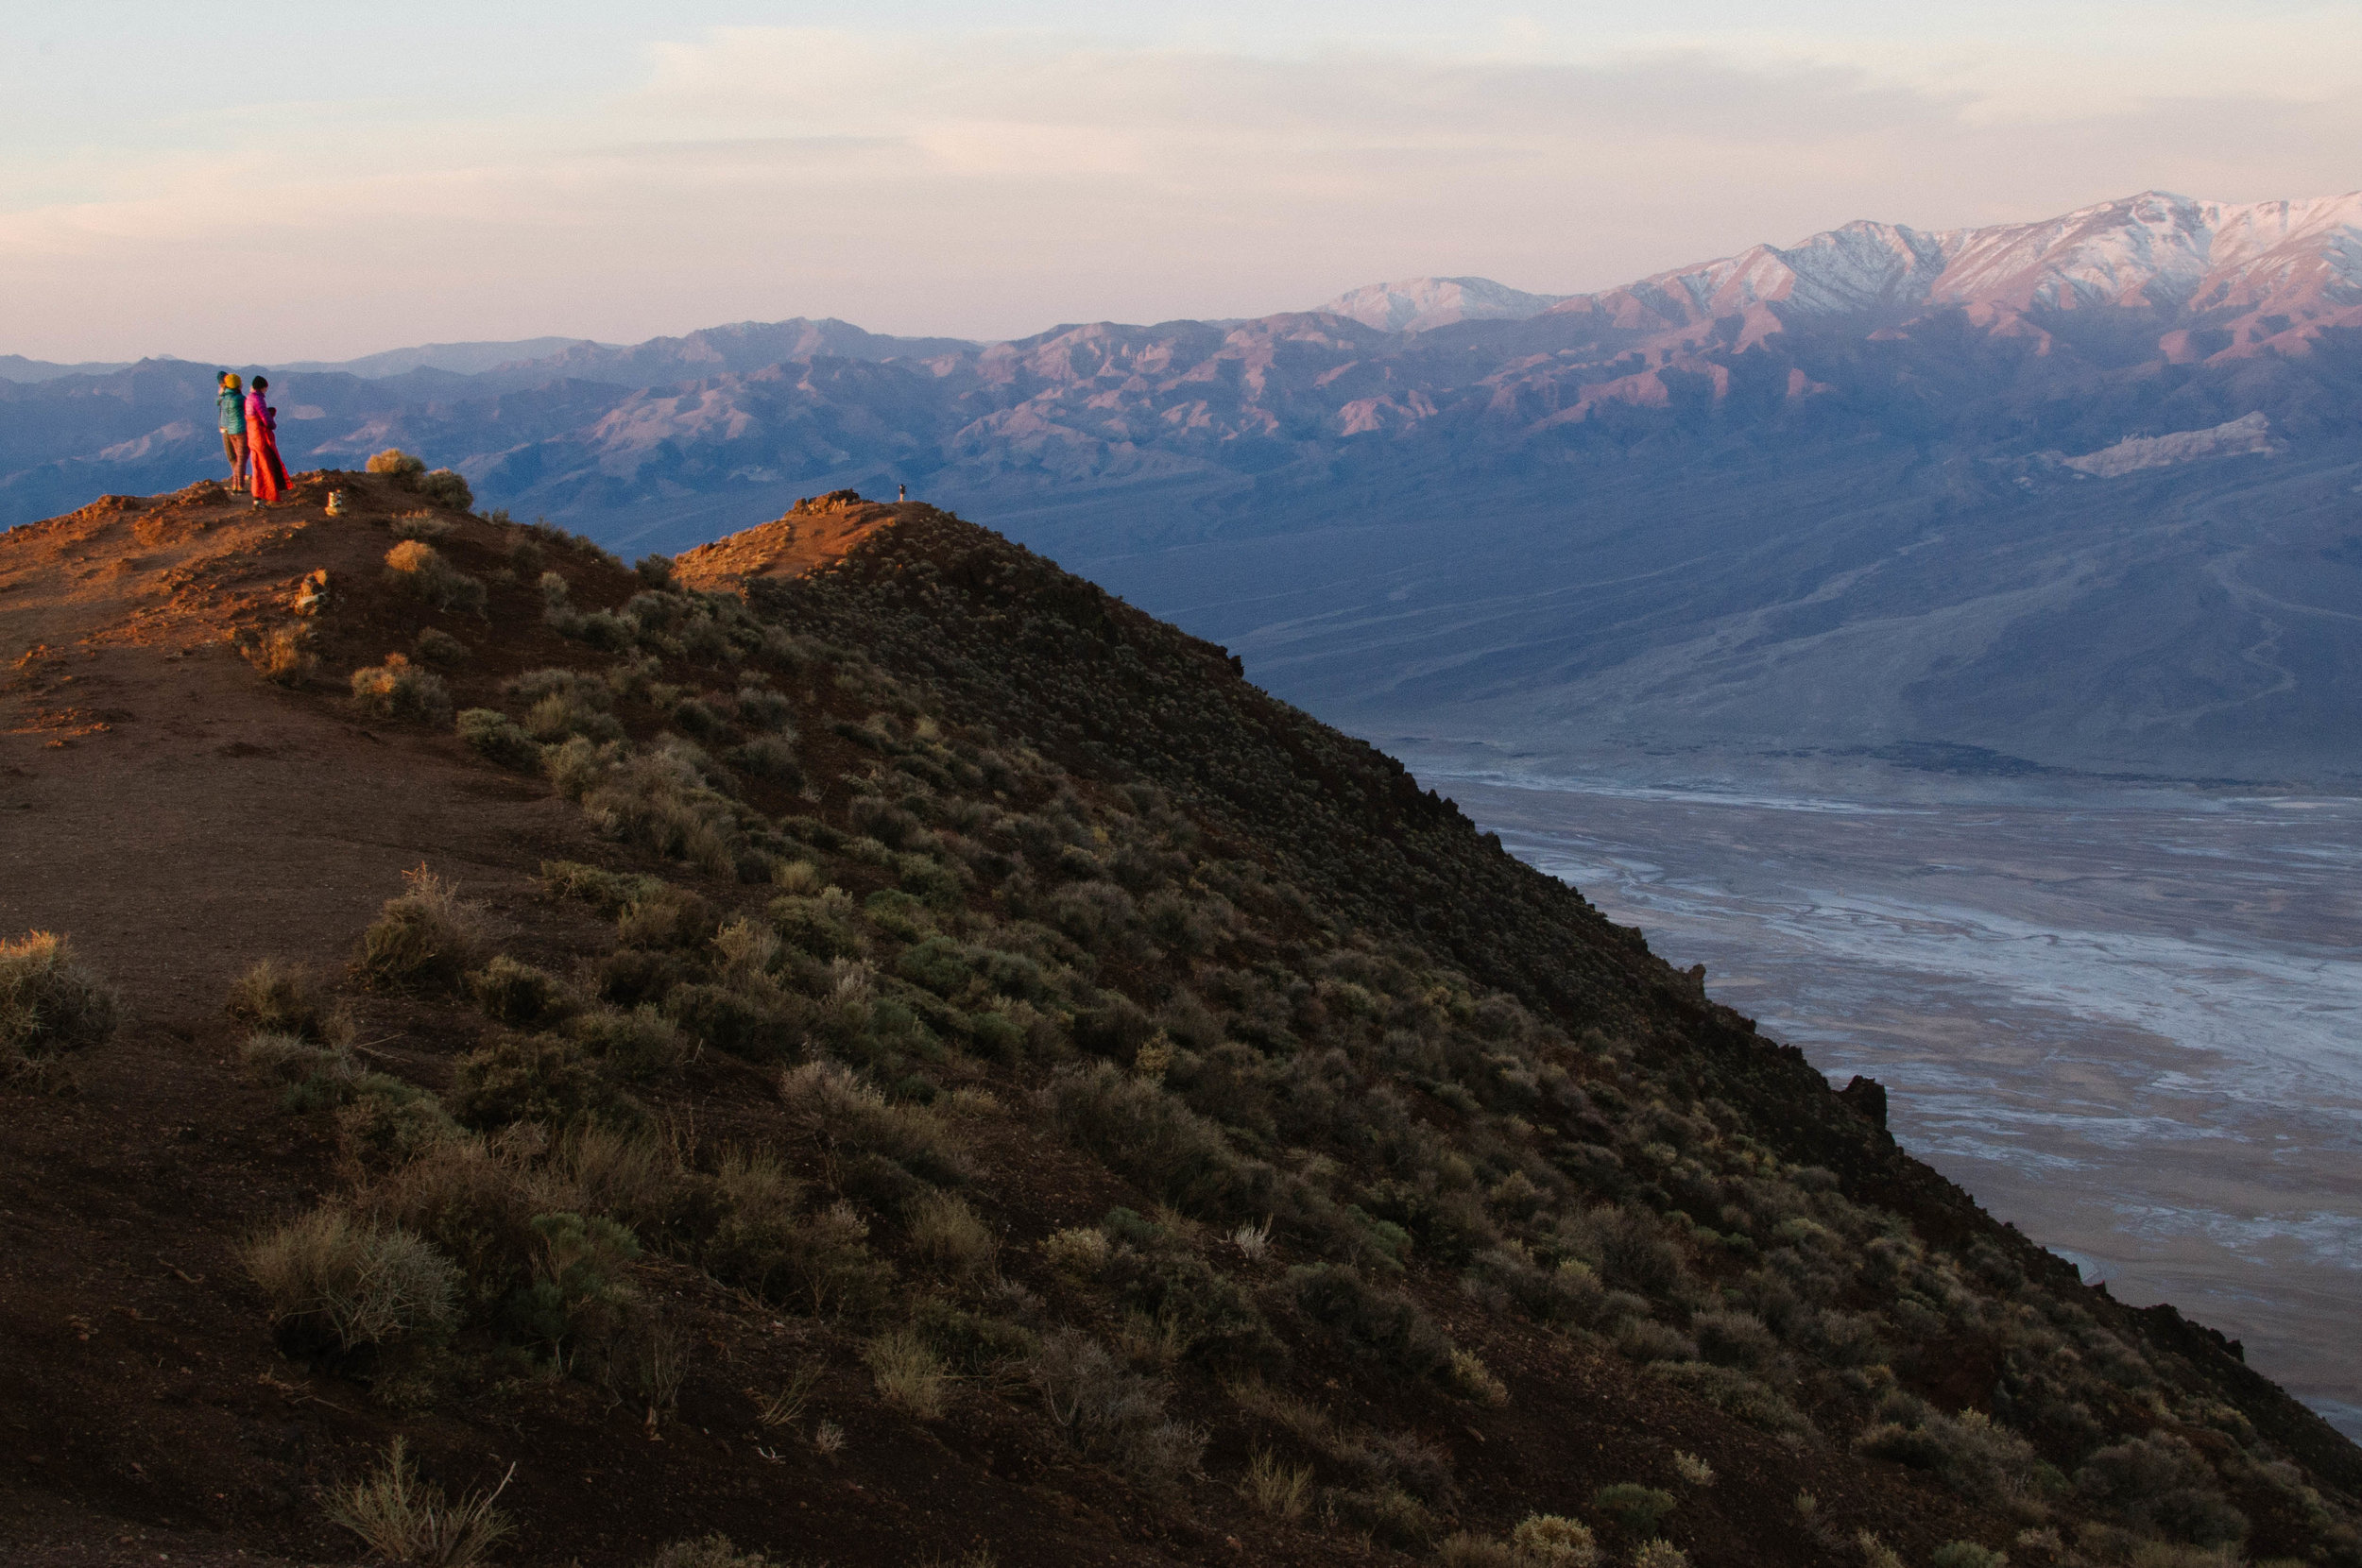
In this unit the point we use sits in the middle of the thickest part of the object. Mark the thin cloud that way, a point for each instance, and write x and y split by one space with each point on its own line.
983 186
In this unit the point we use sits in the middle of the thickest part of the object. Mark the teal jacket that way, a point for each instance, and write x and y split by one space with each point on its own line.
232 411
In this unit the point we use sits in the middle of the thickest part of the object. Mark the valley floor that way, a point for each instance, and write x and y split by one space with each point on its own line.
2126 1021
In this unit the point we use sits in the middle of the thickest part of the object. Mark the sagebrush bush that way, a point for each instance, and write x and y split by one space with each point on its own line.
492 734
406 1519
357 1284
1113 1414
827 1103
440 647
518 994
637 1045
948 1234
398 465
1968 1453
288 998
909 1374
401 690
1372 1319
417 569
51 1003
419 526
542 1078
283 654
2160 1483
711 1551
447 487
1634 1510
1551 1541
1276 1487
425 936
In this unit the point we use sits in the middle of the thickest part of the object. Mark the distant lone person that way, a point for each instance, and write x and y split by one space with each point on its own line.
262 444
901 492
233 405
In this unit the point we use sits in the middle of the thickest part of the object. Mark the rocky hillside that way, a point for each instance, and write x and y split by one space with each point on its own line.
911 1060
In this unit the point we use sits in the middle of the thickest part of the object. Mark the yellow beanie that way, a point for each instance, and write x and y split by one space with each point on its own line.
229 379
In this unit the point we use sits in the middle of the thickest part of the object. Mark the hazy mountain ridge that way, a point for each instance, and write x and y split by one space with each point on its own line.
1928 386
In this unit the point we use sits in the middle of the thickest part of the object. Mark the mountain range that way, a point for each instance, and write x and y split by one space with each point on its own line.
2073 494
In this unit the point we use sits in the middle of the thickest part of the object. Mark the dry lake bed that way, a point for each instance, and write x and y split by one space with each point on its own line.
2126 1018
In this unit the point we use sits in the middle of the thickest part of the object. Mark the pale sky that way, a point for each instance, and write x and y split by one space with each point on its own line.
319 180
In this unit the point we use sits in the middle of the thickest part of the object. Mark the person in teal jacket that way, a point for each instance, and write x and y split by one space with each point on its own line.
232 403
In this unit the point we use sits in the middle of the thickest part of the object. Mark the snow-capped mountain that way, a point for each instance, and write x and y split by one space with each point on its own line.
2235 268
1415 304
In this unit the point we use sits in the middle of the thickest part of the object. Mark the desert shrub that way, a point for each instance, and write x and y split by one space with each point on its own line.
667 916
495 734
330 1275
1082 1251
1732 1339
1634 1510
827 1103
1371 1319
563 714
2160 1483
821 926
730 1021
1465 1549
518 995
1279 1489
1659 1553
419 526
908 1373
578 1290
426 936
637 1045
401 690
938 963
1967 1453
398 465
1734 1393
711 1551
817 1262
292 1061
417 569
767 757
382 1122
1145 1133
1635 1252
659 798
1551 1541
1692 1468
758 708
1201 1313
447 487
539 1077
440 647
403 1519
287 998
1114 1414
283 654
947 1233
51 1003
1472 1379
608 892
1966 1554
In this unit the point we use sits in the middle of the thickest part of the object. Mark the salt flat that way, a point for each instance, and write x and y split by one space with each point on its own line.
2128 1019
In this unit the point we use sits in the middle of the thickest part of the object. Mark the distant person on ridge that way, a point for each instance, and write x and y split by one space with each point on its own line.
262 444
901 492
232 404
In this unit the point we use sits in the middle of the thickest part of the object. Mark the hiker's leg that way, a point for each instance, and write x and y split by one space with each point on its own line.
233 442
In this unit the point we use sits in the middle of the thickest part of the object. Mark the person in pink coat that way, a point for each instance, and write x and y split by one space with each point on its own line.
269 481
